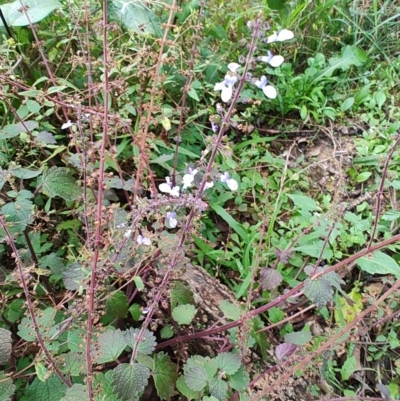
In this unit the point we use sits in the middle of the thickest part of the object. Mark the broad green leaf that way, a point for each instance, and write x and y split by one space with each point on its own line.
5 346
240 380
76 339
15 310
73 363
185 390
129 380
53 262
349 311
74 277
7 387
347 104
228 362
117 305
57 181
318 291
230 310
218 388
348 368
147 343
184 314
363 176
135 15
78 392
12 130
379 263
36 10
52 389
181 294
110 346
314 249
105 392
164 375
44 319
276 4
166 332
298 338
33 107
195 377
231 221
23 173
304 202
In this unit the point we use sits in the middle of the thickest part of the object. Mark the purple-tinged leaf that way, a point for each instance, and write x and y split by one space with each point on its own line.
270 278
284 350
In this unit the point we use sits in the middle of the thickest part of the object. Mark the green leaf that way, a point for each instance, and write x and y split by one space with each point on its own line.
41 371
74 277
15 310
195 377
379 263
181 294
240 380
53 262
7 387
147 344
184 314
185 390
110 346
347 104
53 389
33 107
36 10
228 362
276 4
166 332
230 310
348 368
193 94
298 338
12 130
75 339
102 383
136 311
23 173
218 388
117 305
135 15
164 375
5 346
129 380
78 392
44 319
318 291
231 221
363 176
73 363
18 215
304 202
57 181
139 283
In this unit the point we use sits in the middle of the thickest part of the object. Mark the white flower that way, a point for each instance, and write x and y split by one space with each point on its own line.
143 240
66 125
208 185
275 61
188 178
234 67
269 91
226 86
167 188
175 192
232 184
171 220
281 36
128 233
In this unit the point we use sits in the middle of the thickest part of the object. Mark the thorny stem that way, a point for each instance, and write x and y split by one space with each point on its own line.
30 306
99 217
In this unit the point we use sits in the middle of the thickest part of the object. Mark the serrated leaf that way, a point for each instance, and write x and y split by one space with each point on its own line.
76 339
74 277
57 181
164 375
284 350
16 309
7 387
318 291
41 371
18 215
23 173
195 377
53 262
129 381
185 390
102 382
117 305
228 362
218 388
181 294
240 380
46 137
73 363
44 319
270 278
147 343
78 392
231 311
184 314
298 337
379 263
12 130
52 389
348 368
5 346
110 346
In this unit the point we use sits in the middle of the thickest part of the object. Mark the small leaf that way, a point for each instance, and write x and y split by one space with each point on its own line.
57 181
270 278
181 294
195 377
184 314
129 380
348 367
110 346
33 107
147 343
318 291
18 214
193 94
7 387
304 202
347 104
185 390
240 380
23 173
46 137
74 277
166 332
73 363
284 350
5 346
218 388
379 263
363 176
164 375
228 362
230 310
52 389
117 305
44 320
298 338
78 392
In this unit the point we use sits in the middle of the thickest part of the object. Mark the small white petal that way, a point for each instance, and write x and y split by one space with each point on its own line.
187 181
226 93
270 92
260 83
128 234
232 184
233 67
172 222
165 187
230 79
219 86
67 125
146 241
225 177
175 192
276 61
272 38
285 34
209 185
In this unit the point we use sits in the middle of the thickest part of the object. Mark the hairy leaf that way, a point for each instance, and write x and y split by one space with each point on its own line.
44 320
78 392
181 294
130 380
74 277
270 278
184 314
53 262
73 363
318 291
185 390
147 343
298 337
18 215
230 310
103 384
195 377
117 305
240 380
23 173
164 375
284 350
12 130
110 345
228 362
218 388
7 387
5 346
53 389
57 181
